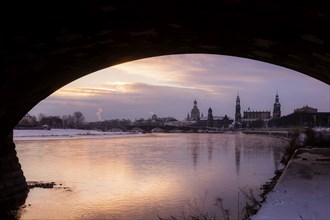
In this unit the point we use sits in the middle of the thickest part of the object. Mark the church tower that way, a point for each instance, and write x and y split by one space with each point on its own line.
277 107
238 116
210 118
195 114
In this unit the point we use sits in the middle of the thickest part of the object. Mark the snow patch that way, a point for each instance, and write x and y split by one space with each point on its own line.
65 133
303 190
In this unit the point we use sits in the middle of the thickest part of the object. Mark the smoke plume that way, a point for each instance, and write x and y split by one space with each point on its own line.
98 114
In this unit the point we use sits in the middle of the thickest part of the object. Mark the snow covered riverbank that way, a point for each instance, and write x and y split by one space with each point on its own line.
65 133
303 190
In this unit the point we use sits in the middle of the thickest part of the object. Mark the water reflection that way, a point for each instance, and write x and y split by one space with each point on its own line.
209 148
238 146
143 177
194 144
277 155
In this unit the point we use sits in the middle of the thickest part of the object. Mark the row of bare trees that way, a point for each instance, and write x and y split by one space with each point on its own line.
76 120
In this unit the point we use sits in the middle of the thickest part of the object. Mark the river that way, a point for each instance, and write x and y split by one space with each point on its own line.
143 177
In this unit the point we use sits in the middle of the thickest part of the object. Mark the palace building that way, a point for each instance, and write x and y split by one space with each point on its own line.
305 109
304 117
253 117
250 116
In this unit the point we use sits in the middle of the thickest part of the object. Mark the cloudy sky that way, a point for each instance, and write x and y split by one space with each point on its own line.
168 86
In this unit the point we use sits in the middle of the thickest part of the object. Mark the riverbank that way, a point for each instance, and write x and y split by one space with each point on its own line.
303 190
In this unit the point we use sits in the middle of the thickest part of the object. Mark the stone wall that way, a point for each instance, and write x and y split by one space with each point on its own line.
13 186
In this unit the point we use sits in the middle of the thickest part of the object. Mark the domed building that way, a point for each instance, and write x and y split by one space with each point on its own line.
215 121
194 114
209 120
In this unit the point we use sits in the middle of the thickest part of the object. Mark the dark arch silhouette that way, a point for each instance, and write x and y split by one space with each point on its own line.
45 45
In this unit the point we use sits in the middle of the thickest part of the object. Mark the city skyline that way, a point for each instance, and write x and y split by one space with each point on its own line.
168 86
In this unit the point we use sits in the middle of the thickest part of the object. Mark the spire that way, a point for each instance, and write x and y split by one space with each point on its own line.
238 109
277 100
210 118
237 98
277 107
195 103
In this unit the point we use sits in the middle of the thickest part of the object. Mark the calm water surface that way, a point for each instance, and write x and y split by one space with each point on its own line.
142 177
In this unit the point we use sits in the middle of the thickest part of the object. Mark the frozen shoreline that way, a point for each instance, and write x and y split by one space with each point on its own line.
67 133
303 190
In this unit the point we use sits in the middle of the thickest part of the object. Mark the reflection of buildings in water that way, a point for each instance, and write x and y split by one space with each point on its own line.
195 144
247 148
263 147
277 155
210 147
225 144
195 152
238 146
255 146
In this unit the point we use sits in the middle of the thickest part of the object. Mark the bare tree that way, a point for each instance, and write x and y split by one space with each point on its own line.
78 119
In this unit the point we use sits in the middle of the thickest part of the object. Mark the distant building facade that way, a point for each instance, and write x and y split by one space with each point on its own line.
215 121
256 118
305 109
250 116
303 117
209 121
154 120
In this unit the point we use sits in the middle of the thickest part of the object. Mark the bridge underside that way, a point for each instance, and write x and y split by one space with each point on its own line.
44 46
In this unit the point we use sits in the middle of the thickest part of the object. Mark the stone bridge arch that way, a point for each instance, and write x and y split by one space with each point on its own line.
46 45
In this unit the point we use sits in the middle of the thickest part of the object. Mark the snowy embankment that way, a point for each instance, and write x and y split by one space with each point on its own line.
321 129
65 133
303 190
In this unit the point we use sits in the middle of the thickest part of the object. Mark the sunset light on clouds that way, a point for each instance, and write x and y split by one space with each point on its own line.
168 85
